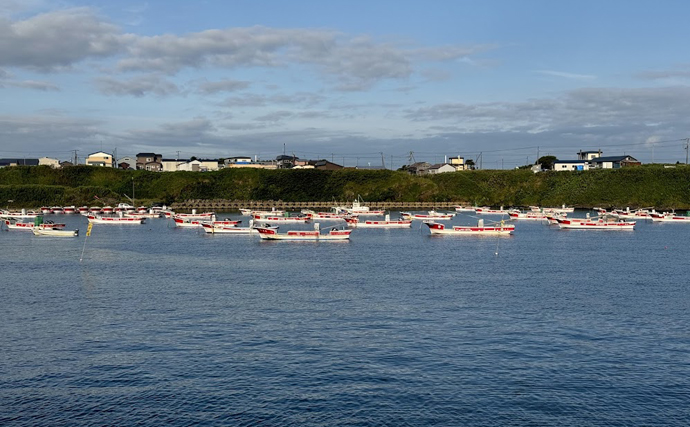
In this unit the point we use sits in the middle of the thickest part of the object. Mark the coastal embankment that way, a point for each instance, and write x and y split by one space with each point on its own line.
643 186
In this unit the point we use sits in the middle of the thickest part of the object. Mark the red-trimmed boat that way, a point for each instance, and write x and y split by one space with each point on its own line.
98 219
605 222
304 235
354 221
28 226
496 229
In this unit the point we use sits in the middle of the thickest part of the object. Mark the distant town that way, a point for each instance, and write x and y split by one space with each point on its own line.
153 162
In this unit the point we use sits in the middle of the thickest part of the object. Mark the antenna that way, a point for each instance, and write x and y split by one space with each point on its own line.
410 158
383 162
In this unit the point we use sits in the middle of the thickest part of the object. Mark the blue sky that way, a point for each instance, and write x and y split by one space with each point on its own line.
347 80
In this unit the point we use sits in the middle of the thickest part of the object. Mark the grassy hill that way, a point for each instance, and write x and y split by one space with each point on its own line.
651 185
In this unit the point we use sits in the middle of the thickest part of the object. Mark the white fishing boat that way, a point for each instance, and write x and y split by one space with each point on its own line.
644 213
604 222
98 219
52 232
496 229
23 214
305 235
464 208
430 215
485 210
530 215
204 216
357 209
354 221
670 217
324 216
187 222
69 210
562 209
28 226
214 228
254 213
293 219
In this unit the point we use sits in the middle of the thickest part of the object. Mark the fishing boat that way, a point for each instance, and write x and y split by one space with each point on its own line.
253 213
107 210
214 228
530 215
124 207
187 222
464 208
57 210
28 226
495 229
69 210
293 219
562 209
602 222
204 216
83 209
46 210
643 213
98 219
324 216
485 210
23 214
357 209
305 235
670 217
52 232
428 216
354 221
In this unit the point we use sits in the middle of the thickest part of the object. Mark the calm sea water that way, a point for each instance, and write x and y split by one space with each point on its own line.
166 326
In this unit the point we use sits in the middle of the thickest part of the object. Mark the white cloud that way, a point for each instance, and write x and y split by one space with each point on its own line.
137 86
57 40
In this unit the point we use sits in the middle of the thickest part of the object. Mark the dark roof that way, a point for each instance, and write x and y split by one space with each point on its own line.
613 159
286 157
148 155
24 162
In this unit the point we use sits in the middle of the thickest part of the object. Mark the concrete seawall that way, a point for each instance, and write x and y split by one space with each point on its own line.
229 205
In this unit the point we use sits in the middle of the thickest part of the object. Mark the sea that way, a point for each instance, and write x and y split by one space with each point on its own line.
157 325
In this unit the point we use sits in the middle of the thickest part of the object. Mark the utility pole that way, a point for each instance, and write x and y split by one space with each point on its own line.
687 144
75 157
383 161
537 153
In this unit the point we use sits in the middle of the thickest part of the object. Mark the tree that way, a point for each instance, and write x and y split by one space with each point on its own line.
547 161
469 163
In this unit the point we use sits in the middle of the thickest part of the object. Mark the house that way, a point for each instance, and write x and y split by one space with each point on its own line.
127 162
100 158
286 162
419 168
588 155
238 160
458 162
269 164
614 162
149 162
48 161
322 164
198 165
171 165
441 168
66 164
18 162
570 165
326 165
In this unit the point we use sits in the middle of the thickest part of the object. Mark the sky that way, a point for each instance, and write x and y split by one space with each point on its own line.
358 82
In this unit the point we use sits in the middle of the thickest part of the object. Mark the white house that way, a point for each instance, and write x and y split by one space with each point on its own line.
614 162
458 162
588 155
100 158
47 161
570 165
441 168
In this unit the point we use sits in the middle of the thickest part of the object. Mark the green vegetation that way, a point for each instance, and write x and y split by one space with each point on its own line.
651 185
